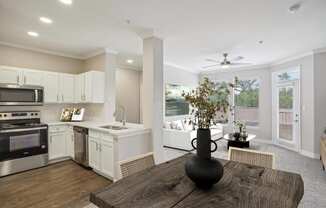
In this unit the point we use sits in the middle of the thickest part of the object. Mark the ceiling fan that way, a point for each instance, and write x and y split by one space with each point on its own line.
226 63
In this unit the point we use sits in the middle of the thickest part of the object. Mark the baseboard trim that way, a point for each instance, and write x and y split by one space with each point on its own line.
309 154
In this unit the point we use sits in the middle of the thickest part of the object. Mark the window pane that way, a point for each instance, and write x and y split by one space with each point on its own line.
288 76
175 104
247 102
221 117
286 113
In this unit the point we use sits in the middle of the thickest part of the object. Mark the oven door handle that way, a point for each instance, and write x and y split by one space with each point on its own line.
21 130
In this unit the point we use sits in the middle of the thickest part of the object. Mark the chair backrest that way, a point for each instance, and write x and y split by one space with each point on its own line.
252 157
136 164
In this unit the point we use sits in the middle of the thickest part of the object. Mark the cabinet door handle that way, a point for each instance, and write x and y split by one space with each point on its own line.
62 97
17 79
24 79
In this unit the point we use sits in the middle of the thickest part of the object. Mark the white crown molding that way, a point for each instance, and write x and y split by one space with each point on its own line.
180 67
320 50
40 50
108 50
95 53
291 58
244 68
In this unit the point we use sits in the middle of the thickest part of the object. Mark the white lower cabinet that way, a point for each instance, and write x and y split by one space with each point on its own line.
70 142
94 153
57 145
106 158
61 142
101 153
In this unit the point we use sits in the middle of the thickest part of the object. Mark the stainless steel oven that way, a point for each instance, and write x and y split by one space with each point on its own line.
21 94
20 143
23 142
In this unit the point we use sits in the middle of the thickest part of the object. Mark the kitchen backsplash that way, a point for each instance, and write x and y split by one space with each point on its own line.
49 112
52 112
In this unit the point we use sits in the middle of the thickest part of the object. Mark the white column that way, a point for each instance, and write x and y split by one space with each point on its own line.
110 86
152 104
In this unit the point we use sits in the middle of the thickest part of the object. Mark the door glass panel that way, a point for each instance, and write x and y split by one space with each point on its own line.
24 142
285 113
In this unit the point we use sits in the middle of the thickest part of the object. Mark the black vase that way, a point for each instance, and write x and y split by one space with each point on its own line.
203 170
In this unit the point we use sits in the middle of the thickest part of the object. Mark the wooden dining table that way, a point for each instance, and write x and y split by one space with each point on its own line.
166 185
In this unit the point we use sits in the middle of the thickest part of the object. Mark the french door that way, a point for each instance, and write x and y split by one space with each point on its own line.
286 114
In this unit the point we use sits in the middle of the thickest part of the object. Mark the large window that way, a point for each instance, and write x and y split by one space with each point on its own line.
221 117
175 104
246 102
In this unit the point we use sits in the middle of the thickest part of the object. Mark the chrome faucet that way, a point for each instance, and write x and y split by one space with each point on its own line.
122 110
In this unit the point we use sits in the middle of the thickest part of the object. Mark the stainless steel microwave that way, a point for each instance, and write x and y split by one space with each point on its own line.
21 95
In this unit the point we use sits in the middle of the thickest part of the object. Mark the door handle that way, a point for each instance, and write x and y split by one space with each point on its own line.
24 79
62 97
17 79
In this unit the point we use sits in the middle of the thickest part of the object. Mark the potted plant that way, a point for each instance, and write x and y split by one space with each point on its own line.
206 101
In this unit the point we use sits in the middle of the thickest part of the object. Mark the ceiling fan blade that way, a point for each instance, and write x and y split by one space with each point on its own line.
212 60
239 64
209 66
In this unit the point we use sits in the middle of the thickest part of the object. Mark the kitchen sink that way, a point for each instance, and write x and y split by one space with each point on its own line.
114 127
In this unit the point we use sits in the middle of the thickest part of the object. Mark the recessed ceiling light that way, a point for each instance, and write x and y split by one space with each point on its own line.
294 8
130 61
261 42
33 34
46 20
67 2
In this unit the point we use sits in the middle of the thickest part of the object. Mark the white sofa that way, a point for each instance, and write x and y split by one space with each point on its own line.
181 139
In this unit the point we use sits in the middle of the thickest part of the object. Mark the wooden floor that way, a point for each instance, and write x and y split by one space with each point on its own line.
64 184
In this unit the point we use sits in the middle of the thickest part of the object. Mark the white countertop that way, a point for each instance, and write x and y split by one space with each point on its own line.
132 128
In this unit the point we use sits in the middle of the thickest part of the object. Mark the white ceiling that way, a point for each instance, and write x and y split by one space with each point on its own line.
193 30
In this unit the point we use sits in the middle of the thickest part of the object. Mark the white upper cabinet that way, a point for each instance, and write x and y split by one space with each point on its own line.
89 87
32 77
9 75
51 87
79 88
67 88
95 86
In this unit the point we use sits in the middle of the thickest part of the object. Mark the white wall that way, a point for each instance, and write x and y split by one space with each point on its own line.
174 75
263 131
307 99
23 58
128 93
320 97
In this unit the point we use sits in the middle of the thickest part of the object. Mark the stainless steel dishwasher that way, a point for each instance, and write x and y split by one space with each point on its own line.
81 145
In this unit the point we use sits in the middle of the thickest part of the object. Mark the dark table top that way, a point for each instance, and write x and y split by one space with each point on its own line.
166 185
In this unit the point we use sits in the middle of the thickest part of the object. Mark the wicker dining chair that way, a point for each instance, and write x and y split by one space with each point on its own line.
252 157
136 164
